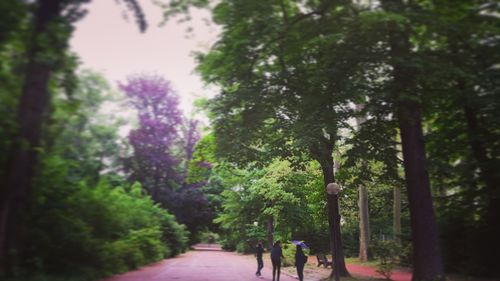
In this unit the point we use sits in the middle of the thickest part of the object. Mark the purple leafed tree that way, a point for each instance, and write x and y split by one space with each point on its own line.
164 141
154 163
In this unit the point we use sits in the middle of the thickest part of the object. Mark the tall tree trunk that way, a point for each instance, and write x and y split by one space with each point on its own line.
323 154
364 214
489 175
364 224
334 222
23 156
427 260
396 221
270 231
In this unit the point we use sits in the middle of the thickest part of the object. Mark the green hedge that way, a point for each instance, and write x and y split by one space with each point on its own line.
289 250
83 232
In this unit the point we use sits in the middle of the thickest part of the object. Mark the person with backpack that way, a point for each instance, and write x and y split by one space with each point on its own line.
300 261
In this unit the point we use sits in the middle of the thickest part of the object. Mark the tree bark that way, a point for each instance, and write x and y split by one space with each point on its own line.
491 178
323 154
34 101
427 260
364 224
364 214
334 223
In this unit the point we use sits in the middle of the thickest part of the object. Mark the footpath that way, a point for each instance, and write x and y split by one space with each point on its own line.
205 263
364 272
209 262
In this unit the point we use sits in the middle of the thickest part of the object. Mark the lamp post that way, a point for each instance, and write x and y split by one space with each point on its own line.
333 190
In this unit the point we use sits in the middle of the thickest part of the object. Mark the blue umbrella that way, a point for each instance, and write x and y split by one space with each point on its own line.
302 244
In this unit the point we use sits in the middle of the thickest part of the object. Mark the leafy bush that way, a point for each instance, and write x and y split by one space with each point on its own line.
228 244
174 235
289 250
208 237
98 231
387 252
244 247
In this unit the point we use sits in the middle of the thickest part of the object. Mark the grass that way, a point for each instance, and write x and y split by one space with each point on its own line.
353 260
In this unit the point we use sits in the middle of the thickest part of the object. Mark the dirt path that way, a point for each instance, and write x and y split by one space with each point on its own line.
201 265
210 263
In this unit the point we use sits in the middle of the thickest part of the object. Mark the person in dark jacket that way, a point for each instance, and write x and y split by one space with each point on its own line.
276 255
300 261
259 249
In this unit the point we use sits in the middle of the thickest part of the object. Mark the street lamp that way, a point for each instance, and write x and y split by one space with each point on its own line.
333 190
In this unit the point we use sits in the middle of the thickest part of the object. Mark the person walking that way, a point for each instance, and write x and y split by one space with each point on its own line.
300 261
259 249
276 255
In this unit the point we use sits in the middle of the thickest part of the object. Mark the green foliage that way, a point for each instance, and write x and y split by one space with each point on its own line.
244 247
387 252
84 220
11 62
289 250
14 12
139 247
289 196
227 243
289 72
101 230
72 223
255 233
380 186
208 237
201 162
81 134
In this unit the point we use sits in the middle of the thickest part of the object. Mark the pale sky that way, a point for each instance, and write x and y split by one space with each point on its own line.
113 46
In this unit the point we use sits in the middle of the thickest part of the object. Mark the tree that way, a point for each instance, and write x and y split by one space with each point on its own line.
392 58
35 98
272 196
80 133
51 27
459 133
153 162
83 220
191 208
203 172
428 264
364 213
291 104
190 137
163 146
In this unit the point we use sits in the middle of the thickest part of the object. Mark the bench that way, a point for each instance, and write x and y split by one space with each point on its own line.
323 260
